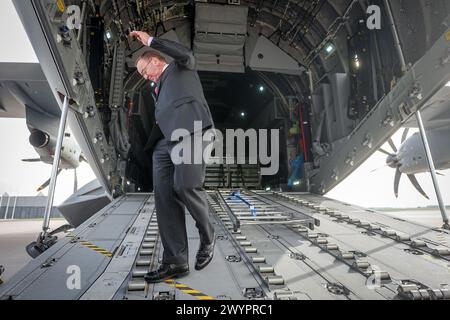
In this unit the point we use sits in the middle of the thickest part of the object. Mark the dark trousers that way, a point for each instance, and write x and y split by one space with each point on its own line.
177 186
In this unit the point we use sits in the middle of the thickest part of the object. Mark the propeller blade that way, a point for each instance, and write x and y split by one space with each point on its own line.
83 158
32 160
378 168
416 185
46 183
385 152
391 143
75 181
43 186
398 175
440 174
405 134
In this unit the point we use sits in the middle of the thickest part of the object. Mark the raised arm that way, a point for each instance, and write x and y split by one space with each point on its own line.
178 52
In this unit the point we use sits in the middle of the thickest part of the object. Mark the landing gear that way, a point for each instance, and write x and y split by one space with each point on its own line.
45 241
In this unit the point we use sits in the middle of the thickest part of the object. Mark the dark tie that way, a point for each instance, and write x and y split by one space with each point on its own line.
154 91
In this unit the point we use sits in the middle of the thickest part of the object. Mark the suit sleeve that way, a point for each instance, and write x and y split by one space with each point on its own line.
178 52
155 136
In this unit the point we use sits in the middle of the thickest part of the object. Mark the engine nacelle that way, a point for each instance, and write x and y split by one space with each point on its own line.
411 154
39 139
45 146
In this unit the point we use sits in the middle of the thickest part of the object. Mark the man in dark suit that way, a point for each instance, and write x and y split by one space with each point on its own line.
179 101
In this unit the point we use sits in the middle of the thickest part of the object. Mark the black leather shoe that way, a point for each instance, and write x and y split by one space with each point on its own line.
204 255
167 271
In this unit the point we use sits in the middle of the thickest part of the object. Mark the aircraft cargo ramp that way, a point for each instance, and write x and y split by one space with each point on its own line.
270 245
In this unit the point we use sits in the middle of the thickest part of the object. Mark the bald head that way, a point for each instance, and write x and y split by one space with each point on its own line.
150 65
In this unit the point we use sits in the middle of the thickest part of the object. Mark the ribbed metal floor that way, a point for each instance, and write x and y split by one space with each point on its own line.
269 245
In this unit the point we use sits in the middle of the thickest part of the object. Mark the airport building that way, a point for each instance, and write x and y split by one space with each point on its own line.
23 207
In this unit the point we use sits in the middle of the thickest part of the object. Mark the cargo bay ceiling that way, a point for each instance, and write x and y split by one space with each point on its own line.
317 56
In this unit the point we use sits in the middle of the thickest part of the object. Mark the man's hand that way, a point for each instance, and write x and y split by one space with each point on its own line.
141 36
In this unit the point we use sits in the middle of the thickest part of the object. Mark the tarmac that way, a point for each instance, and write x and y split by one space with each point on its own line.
15 235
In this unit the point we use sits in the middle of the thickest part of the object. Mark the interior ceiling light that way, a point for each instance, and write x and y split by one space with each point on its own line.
357 61
329 48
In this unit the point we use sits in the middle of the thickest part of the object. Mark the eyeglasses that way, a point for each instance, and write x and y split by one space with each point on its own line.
143 72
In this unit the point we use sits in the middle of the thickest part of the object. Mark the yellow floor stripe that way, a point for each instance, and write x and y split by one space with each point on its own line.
191 291
185 289
95 248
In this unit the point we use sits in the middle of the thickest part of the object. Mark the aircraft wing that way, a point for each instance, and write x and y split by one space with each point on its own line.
23 85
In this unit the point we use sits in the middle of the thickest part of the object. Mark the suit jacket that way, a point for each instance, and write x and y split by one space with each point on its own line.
154 137
180 100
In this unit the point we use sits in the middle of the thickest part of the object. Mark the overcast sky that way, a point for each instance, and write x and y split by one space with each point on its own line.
18 178
15 46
